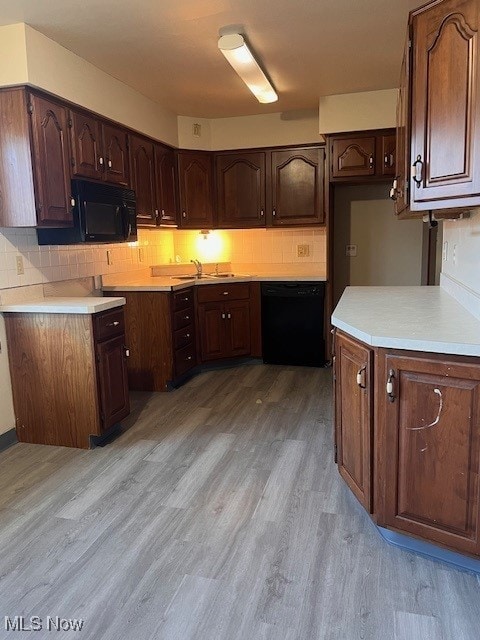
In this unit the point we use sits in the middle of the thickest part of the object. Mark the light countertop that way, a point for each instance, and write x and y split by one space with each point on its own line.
413 318
170 283
82 305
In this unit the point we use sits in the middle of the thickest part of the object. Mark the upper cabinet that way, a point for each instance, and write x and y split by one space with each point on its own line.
297 186
195 178
400 188
142 179
35 161
166 185
362 156
99 150
240 189
443 132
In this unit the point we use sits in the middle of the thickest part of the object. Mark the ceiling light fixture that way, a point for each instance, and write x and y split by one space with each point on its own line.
235 50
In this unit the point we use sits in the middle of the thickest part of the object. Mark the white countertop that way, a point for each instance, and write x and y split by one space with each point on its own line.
82 305
170 283
414 318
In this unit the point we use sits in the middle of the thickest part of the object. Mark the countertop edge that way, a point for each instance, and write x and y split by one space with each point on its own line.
42 306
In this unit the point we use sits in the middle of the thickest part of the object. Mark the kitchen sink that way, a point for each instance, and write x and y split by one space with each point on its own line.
229 275
191 277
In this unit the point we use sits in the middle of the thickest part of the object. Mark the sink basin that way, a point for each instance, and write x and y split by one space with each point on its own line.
229 275
191 277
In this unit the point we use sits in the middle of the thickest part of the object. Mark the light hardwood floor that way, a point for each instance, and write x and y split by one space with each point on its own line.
219 514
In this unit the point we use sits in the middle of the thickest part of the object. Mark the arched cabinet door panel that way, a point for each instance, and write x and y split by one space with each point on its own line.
142 175
195 178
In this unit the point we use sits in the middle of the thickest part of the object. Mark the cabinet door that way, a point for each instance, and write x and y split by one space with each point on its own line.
353 416
240 185
166 185
51 162
387 154
113 381
401 185
297 187
237 328
445 106
195 177
353 157
87 159
212 320
142 174
116 154
431 450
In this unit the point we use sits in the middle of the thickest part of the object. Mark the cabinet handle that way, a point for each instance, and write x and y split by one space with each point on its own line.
223 316
370 160
100 161
229 316
186 299
188 358
113 324
225 293
274 213
390 379
393 190
184 214
126 351
187 318
187 335
110 164
361 377
163 213
418 170
262 213
72 202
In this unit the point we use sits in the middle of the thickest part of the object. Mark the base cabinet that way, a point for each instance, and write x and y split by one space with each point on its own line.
69 375
354 417
421 452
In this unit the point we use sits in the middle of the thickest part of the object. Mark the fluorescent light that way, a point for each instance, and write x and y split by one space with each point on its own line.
237 53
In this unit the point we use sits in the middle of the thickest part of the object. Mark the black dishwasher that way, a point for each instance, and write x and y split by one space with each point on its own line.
292 323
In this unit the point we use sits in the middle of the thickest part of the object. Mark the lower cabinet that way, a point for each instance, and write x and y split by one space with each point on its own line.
225 322
416 466
69 375
353 416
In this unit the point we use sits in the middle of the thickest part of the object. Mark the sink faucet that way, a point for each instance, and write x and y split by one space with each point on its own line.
198 266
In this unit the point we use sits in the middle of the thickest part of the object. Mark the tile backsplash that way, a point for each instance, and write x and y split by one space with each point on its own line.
240 246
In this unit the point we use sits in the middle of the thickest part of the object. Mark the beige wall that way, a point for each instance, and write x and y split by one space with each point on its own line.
389 251
13 55
358 111
270 129
463 251
7 418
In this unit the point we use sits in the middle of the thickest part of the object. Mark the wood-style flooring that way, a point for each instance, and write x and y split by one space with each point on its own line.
217 515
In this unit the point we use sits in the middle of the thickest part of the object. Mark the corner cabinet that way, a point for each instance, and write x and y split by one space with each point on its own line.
360 157
441 81
195 180
69 375
414 461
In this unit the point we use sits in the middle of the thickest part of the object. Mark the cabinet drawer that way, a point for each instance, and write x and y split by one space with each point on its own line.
183 299
182 337
222 292
182 319
109 324
185 359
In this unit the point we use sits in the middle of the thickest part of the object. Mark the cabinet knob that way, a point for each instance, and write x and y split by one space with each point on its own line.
389 386
184 214
361 377
223 316
163 213
274 213
370 160
188 358
262 213
225 293
110 164
127 352
187 318
72 202
100 161
186 299
113 324
229 316
187 335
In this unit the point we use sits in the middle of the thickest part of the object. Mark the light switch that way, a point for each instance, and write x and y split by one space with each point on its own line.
351 250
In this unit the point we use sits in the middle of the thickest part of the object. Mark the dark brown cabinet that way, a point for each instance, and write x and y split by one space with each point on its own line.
115 154
362 156
240 189
400 187
445 105
297 186
354 415
224 321
166 185
142 179
431 448
195 179
69 375
51 153
86 138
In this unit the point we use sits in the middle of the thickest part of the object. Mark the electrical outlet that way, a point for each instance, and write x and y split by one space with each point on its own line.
109 257
19 263
351 250
140 254
303 250
197 130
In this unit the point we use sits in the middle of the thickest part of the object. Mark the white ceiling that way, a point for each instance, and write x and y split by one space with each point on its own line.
167 49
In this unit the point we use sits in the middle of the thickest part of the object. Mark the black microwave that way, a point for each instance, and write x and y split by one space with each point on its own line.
101 213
